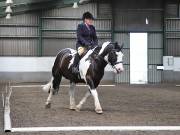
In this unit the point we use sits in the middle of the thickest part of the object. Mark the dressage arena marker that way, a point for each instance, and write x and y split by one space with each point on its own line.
3 99
7 119
8 128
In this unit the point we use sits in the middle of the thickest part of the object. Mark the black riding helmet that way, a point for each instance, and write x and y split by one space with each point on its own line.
87 15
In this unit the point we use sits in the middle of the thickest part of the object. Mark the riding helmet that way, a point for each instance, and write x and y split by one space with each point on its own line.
87 15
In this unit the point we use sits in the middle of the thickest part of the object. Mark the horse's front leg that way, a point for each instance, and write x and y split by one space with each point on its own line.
94 93
48 101
97 104
72 98
98 108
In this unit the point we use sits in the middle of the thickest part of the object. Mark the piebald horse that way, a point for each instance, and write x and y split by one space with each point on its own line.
91 68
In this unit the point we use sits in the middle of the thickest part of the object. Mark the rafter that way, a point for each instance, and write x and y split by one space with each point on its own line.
20 6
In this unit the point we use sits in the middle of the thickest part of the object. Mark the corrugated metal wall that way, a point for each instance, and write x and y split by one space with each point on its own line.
130 16
19 35
22 19
18 47
171 8
172 28
155 53
104 9
172 40
172 37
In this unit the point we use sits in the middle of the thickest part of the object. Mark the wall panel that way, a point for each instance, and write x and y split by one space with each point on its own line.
19 35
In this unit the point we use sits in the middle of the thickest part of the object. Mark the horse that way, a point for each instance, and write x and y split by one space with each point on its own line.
91 68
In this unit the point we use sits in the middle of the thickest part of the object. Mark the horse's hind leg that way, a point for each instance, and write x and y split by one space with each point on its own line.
48 102
56 82
54 87
71 94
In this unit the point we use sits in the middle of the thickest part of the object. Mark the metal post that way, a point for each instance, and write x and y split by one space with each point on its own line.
112 22
164 32
164 27
40 46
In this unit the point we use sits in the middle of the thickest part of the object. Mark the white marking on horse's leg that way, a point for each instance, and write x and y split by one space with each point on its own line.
48 86
98 108
83 100
48 101
71 94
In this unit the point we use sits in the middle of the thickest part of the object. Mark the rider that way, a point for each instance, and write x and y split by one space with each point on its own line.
86 39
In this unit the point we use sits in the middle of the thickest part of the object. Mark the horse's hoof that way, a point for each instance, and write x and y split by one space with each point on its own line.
48 105
55 92
78 108
99 111
72 107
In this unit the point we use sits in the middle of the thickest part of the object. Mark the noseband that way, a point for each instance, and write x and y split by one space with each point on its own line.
117 63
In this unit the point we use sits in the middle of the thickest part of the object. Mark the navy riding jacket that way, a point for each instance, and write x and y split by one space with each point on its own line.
86 37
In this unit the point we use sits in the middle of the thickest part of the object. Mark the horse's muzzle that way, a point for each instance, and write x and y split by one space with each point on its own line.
118 68
118 71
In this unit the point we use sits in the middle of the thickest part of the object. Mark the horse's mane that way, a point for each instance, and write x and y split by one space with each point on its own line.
95 52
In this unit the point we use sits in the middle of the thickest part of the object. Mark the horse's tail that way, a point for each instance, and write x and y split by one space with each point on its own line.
48 86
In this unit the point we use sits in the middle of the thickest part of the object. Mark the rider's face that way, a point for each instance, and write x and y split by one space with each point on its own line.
88 21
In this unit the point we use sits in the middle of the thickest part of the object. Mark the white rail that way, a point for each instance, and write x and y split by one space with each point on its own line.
97 128
7 119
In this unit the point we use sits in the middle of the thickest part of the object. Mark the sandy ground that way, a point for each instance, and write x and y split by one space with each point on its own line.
123 105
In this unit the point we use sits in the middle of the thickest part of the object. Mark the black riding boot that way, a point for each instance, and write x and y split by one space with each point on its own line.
75 64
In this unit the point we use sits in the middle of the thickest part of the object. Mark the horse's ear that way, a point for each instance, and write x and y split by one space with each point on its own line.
117 46
121 46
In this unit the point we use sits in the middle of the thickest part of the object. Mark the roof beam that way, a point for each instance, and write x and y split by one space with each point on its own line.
33 7
70 1
22 2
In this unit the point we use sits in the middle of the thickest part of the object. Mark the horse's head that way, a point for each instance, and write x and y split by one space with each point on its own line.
112 52
115 57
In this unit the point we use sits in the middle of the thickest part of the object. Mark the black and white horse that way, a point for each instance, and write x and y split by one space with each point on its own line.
91 69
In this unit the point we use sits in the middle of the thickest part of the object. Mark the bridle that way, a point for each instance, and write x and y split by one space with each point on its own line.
115 63
102 58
